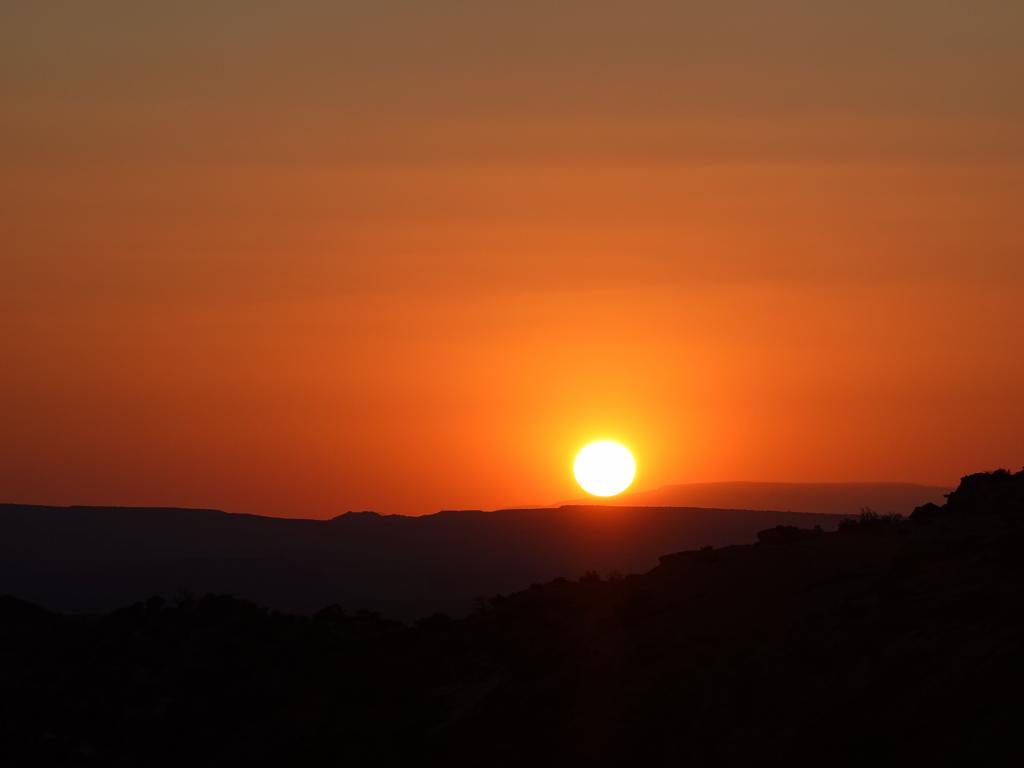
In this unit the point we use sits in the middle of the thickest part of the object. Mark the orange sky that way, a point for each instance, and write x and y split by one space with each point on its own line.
404 256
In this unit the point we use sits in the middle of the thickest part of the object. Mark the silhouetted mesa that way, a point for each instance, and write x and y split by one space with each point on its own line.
77 559
828 498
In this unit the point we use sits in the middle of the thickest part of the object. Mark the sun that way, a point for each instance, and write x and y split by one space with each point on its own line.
604 468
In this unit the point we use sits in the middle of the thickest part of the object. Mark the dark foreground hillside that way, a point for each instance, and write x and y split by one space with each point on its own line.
886 642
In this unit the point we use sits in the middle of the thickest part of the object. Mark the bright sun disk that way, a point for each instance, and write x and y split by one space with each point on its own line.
604 468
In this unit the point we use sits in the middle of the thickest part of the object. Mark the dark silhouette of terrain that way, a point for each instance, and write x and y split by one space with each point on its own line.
76 559
892 641
829 498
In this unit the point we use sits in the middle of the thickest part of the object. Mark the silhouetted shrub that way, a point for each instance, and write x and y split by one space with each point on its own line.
869 521
926 513
783 534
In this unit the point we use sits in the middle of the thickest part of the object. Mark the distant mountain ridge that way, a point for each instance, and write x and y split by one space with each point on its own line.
86 559
828 498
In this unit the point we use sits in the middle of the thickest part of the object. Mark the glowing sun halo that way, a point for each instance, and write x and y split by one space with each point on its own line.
604 468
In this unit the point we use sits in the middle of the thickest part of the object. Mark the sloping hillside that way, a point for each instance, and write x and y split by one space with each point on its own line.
889 641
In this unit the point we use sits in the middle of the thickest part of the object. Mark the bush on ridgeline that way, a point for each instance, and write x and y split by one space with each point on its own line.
869 521
926 513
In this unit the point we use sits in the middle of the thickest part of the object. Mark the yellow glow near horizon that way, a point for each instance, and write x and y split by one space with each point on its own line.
604 468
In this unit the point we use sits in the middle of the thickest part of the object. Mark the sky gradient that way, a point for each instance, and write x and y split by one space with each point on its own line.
303 258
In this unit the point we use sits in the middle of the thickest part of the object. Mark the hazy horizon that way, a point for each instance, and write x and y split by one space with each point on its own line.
626 499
